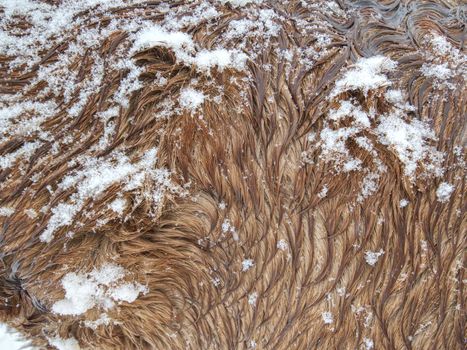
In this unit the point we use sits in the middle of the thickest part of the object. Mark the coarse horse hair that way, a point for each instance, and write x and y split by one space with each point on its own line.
240 224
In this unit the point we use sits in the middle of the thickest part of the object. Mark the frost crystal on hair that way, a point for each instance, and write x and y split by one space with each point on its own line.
403 203
228 227
11 339
368 343
444 191
327 317
252 298
282 244
6 211
103 320
247 264
371 258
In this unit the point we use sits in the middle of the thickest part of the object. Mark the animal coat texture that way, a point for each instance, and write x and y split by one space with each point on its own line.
243 174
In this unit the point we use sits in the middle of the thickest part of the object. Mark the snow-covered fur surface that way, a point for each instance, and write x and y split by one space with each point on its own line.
233 174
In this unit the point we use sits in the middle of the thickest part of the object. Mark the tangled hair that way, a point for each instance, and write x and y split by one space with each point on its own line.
233 174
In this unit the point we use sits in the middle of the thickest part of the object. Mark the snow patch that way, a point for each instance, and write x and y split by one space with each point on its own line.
438 71
191 99
10 339
24 151
185 49
220 58
64 344
127 292
180 42
367 74
349 109
239 3
410 141
100 288
118 206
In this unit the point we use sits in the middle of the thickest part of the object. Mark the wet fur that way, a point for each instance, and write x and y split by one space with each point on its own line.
252 160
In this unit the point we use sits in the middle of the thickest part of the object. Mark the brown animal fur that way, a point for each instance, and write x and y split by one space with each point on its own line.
251 158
